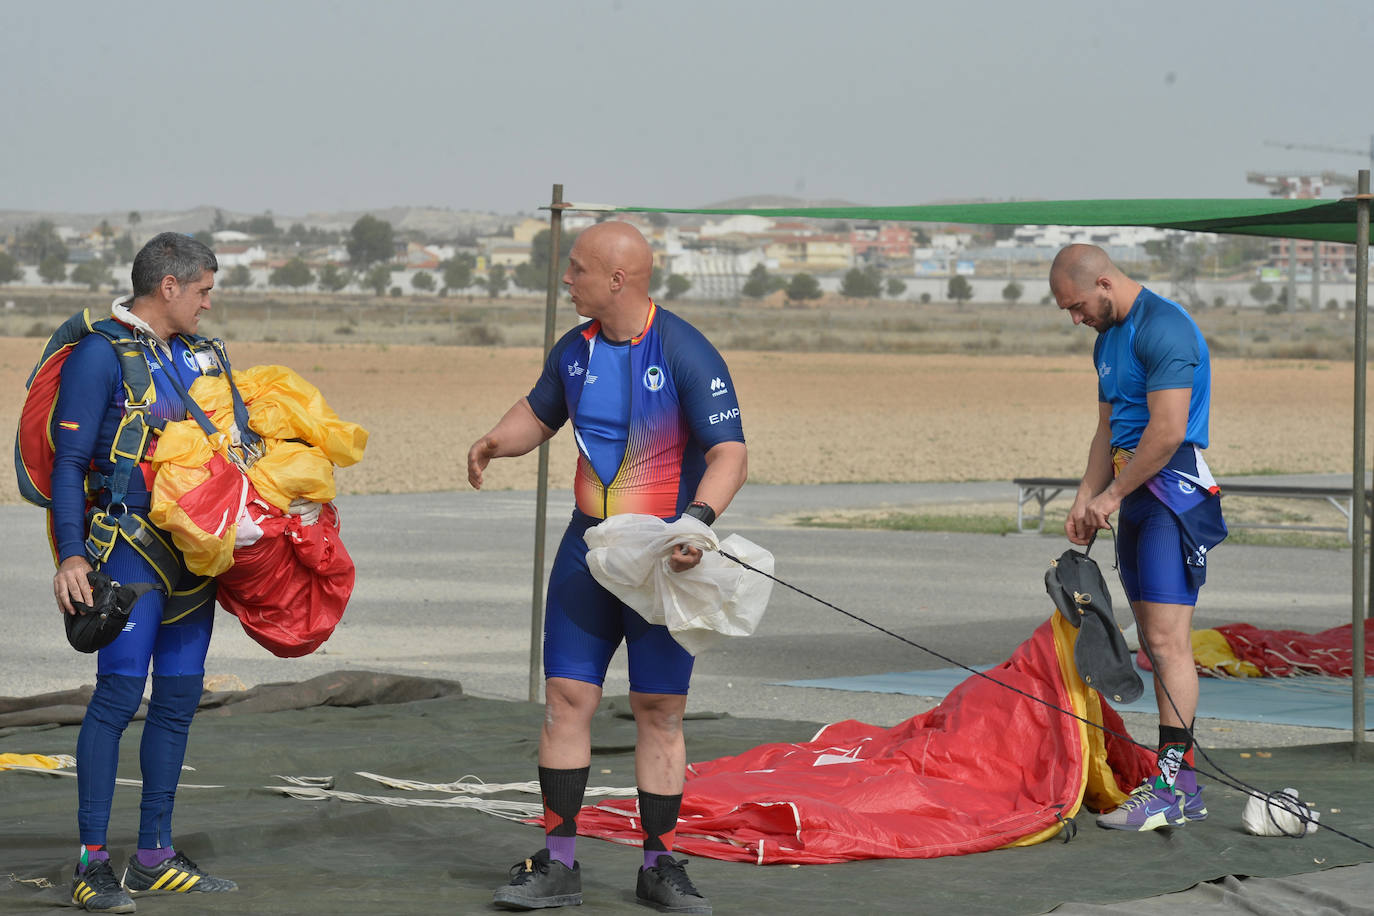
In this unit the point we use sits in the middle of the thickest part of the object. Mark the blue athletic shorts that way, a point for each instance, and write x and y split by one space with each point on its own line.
584 624
1151 552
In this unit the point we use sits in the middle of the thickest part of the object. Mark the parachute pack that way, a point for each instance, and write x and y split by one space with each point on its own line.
33 444
34 452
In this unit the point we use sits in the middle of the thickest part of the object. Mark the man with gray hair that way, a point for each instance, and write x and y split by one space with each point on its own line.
106 408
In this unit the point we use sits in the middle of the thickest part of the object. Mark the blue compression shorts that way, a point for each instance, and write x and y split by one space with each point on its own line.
584 624
1150 552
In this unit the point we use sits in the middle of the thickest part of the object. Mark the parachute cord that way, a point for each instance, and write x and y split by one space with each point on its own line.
1221 776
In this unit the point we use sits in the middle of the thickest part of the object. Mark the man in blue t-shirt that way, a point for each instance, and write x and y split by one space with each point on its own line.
657 424
1154 389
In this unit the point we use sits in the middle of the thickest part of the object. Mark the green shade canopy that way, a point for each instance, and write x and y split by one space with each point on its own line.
1326 221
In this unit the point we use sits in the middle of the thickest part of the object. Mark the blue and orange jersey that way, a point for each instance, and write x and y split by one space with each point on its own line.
90 404
644 413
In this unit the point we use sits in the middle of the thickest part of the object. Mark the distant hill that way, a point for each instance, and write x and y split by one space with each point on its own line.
779 201
153 221
436 222
774 201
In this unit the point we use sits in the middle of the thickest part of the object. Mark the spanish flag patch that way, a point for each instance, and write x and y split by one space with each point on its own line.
71 425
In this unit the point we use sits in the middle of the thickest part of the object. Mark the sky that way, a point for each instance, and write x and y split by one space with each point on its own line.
300 106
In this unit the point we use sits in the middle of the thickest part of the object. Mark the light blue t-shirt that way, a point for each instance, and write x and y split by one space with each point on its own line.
1157 347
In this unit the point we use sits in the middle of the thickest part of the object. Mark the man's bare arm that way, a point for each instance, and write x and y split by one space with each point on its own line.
1163 435
517 433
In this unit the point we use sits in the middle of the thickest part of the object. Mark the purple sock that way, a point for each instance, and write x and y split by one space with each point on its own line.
651 856
90 856
151 857
562 848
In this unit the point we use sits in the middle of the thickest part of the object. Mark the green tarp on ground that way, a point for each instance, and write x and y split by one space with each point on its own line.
293 857
1328 221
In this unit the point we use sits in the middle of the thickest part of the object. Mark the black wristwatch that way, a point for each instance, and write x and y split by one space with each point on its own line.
699 510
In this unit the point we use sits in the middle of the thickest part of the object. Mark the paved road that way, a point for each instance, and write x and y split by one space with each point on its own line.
445 579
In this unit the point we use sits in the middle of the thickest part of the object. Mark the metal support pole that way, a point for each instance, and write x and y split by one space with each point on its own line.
1357 606
1292 304
541 502
1316 276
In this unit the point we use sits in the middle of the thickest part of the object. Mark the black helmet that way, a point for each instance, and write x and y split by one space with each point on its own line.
93 628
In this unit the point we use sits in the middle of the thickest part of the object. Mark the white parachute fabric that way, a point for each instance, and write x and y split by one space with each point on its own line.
717 598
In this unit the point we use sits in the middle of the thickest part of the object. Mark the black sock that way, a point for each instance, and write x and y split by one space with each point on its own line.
658 819
562 791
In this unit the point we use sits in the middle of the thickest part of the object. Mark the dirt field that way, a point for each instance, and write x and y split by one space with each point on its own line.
809 417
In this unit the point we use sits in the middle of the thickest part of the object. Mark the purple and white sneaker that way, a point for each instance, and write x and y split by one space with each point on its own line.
1194 808
1148 808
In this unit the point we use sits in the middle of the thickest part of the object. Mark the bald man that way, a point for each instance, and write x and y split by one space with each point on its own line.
657 424
1145 461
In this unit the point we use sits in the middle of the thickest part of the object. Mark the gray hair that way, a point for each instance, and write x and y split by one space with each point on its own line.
170 253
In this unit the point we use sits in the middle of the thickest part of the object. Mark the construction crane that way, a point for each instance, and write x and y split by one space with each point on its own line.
1293 187
1323 148
1297 187
1303 186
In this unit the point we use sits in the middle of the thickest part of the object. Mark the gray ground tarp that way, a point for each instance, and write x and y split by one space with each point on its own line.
292 856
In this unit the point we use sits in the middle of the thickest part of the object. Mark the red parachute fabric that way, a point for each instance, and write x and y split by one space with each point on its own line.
1285 653
34 447
290 588
985 769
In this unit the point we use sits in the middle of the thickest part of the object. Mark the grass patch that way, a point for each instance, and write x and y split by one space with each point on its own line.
1312 539
903 521
988 523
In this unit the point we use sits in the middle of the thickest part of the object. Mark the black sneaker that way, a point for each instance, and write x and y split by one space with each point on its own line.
539 882
97 890
666 888
177 875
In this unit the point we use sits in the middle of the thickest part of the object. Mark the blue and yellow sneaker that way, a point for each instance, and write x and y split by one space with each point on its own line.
1148 808
177 875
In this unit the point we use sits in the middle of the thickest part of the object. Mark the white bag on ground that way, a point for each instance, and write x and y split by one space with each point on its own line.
629 556
1278 815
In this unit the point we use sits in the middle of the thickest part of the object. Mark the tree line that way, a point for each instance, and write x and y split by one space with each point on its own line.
859 283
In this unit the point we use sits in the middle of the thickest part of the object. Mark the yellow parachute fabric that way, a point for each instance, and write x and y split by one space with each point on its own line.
282 405
181 462
303 438
1100 790
1213 652
37 761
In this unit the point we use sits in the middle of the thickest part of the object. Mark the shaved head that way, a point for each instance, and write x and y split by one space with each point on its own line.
1080 266
1093 290
608 278
619 246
